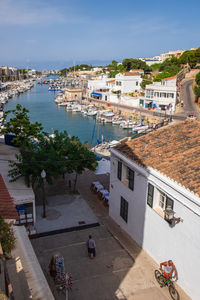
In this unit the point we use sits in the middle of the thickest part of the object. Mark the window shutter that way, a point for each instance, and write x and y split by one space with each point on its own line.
169 203
119 170
131 179
150 195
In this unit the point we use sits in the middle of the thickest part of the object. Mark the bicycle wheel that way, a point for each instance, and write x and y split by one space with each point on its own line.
173 292
160 278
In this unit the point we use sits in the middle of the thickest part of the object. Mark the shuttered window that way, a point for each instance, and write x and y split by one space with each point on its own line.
169 203
150 195
119 170
131 179
124 209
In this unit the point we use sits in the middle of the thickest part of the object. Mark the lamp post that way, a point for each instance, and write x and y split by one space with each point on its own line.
43 176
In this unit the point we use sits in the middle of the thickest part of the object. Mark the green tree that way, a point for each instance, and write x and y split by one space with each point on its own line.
156 67
81 157
112 74
192 57
144 83
20 125
131 63
7 238
197 91
197 79
162 75
57 155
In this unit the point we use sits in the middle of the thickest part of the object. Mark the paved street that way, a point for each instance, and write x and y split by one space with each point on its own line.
187 95
107 277
121 270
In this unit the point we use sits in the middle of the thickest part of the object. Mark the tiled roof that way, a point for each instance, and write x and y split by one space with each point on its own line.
173 150
130 74
170 78
110 81
7 207
136 70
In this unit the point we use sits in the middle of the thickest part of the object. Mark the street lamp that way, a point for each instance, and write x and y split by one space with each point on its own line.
43 176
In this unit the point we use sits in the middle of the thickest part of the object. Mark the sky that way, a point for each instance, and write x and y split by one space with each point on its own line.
53 34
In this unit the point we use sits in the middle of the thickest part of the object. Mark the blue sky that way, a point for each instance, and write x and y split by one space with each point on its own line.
55 33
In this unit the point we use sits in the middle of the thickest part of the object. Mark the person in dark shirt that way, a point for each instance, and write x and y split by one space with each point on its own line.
91 247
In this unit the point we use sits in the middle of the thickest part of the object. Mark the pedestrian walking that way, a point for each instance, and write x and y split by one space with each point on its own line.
91 247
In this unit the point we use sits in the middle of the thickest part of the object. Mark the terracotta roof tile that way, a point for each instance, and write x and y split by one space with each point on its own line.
130 73
170 78
110 81
173 150
7 207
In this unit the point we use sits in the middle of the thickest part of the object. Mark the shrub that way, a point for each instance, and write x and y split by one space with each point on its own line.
7 238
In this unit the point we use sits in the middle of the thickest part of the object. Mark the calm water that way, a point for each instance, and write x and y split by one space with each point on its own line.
42 108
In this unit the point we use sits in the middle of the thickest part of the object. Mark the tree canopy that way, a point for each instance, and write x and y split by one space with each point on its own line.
131 63
162 75
197 87
57 155
144 83
20 125
82 67
192 57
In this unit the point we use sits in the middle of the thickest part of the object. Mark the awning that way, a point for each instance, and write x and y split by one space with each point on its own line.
95 94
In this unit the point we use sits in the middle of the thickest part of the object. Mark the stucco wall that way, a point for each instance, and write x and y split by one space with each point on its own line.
180 243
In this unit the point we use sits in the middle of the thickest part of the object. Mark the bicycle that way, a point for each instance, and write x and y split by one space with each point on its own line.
64 283
163 281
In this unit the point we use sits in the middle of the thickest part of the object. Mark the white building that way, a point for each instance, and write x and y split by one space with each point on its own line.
162 94
127 82
170 54
151 60
150 174
94 85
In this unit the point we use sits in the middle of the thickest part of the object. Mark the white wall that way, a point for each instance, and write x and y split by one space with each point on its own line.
180 243
128 83
95 84
166 86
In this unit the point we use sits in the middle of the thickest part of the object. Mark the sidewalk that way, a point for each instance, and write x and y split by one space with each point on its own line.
143 263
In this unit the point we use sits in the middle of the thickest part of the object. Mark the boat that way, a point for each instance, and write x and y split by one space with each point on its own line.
62 104
103 149
92 113
127 125
140 128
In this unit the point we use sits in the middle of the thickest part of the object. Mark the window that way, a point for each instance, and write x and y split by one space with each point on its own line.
165 202
124 209
150 195
162 200
169 203
119 170
136 83
131 179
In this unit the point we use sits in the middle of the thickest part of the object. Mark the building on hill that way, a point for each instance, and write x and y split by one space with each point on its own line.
155 196
161 95
170 54
151 60
127 82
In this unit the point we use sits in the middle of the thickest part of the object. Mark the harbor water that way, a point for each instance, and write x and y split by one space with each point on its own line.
42 108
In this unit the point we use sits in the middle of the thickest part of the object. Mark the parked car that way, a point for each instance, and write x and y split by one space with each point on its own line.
191 117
